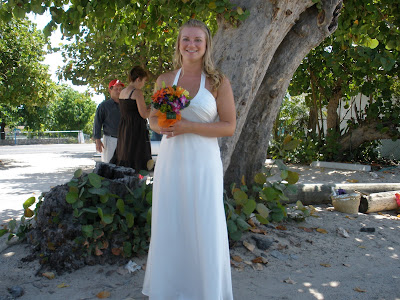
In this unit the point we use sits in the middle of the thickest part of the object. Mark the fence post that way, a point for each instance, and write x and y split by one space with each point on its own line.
81 137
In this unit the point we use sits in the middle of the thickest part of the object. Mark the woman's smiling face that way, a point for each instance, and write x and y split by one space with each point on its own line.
192 43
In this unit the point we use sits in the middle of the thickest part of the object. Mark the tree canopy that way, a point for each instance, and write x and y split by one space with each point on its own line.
71 110
259 66
24 80
361 57
25 84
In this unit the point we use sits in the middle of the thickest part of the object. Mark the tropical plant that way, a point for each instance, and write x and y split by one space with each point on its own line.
108 222
262 201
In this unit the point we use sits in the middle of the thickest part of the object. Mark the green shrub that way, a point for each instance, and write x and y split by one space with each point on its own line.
262 201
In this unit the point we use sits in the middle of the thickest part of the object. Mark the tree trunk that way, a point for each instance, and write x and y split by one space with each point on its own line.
332 119
260 68
2 130
365 132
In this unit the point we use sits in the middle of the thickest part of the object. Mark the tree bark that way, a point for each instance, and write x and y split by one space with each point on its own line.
260 68
365 132
332 119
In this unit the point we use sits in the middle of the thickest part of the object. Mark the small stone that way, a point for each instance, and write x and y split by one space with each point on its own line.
262 243
279 255
367 229
16 291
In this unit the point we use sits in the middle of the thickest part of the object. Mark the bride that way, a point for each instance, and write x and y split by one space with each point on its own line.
189 251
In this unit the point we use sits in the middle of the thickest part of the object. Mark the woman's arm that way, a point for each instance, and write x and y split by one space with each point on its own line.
226 124
153 120
141 105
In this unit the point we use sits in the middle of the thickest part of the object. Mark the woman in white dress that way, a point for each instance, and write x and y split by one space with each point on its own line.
189 251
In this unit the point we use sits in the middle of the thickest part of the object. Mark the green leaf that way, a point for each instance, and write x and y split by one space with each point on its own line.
231 226
130 219
78 173
260 178
100 213
95 180
249 207
280 164
235 236
300 205
29 202
28 213
290 146
127 248
104 198
72 197
3 232
98 191
108 218
261 219
278 216
87 230
149 197
269 194
371 43
240 197
263 210
243 225
292 177
121 206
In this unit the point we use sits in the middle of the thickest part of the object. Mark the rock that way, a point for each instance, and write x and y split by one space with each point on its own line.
261 242
55 230
367 229
279 255
16 291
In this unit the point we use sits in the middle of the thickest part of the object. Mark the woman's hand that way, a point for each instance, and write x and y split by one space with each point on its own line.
178 128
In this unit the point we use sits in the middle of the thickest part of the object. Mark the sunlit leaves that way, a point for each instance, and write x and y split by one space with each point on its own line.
25 84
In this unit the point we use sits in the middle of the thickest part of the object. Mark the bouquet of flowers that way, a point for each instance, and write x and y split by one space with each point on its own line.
170 101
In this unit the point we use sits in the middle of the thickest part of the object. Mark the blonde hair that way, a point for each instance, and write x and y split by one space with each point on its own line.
208 64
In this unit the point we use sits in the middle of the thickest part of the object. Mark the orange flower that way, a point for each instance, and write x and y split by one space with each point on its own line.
157 95
179 91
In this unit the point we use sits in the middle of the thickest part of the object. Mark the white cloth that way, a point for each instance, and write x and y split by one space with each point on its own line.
110 144
189 251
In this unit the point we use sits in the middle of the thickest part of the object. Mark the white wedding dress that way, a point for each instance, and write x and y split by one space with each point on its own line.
189 251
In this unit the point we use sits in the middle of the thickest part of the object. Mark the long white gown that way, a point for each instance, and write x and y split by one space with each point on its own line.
189 251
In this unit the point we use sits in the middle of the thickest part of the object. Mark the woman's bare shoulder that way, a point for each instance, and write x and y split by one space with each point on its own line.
125 93
167 77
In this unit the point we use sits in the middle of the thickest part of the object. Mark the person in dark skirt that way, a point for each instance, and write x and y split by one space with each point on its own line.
133 147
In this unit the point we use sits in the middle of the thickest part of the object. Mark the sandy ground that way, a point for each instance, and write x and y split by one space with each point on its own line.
324 257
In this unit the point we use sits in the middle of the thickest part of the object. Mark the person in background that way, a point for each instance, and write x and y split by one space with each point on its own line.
107 119
133 147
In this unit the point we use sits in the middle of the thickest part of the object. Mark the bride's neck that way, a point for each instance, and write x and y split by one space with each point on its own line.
192 69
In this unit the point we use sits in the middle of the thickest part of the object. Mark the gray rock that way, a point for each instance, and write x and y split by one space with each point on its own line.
279 255
262 243
16 291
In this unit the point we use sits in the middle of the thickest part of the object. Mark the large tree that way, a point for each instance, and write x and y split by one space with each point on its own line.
259 54
71 110
24 81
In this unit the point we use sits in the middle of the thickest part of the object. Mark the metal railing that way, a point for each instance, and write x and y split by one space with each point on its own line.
18 137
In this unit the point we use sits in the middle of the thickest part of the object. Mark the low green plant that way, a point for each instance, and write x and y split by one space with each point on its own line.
262 201
109 222
20 230
298 212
